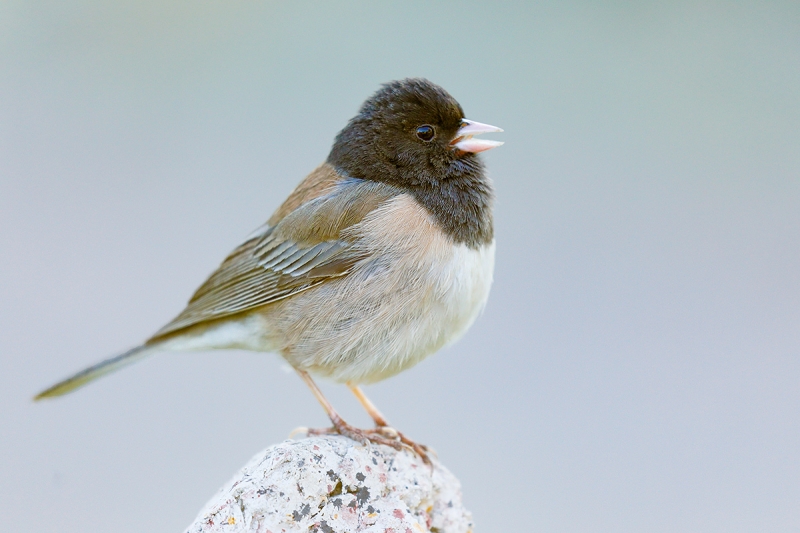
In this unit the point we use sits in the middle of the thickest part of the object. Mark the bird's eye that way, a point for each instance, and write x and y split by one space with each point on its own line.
426 132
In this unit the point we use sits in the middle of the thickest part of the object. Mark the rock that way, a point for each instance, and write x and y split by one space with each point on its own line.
333 484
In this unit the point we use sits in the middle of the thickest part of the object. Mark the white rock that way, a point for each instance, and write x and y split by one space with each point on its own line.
333 484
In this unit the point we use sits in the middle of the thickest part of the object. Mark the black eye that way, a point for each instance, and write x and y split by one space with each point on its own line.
426 132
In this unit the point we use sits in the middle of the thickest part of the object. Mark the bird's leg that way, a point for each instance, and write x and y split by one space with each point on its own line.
382 424
380 420
339 425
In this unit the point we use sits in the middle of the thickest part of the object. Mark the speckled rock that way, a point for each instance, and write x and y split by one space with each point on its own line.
333 484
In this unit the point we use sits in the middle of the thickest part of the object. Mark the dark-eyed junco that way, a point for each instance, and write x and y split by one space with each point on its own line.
381 256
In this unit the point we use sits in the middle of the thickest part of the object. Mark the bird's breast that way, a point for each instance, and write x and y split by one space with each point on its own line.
415 292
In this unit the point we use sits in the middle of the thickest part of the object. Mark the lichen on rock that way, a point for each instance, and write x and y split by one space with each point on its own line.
333 484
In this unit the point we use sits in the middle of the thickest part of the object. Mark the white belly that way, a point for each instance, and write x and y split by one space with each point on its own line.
417 293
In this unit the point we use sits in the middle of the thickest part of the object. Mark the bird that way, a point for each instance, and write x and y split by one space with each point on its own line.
380 257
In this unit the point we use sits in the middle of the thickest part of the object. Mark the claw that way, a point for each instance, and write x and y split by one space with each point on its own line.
396 436
297 431
420 449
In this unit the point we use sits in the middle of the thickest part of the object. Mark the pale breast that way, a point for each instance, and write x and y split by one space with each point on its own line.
416 292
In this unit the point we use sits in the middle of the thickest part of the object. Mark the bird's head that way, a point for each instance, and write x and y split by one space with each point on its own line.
410 132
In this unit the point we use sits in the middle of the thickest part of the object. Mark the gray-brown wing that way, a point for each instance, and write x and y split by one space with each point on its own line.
306 248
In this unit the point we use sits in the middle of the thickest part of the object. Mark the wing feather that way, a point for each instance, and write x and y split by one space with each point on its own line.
303 249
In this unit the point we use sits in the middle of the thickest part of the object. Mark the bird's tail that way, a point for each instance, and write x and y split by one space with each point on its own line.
93 372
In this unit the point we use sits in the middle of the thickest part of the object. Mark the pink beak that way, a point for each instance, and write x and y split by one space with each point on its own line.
466 143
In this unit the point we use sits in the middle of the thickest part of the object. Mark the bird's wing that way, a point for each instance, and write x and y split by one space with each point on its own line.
305 248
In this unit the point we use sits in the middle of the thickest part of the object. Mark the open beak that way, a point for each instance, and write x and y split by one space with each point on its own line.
466 143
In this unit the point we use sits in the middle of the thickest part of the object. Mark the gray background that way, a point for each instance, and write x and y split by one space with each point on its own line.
637 366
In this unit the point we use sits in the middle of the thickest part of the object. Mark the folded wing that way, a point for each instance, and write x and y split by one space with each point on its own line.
306 247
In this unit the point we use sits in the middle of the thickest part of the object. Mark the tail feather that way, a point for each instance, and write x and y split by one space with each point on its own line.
93 372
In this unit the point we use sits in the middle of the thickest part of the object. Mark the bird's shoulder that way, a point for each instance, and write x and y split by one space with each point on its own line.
321 180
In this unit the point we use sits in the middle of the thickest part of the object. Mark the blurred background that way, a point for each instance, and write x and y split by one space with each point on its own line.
637 366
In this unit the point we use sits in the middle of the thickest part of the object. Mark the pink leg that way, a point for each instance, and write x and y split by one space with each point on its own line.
383 425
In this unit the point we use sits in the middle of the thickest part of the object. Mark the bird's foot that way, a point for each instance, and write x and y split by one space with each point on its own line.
364 436
385 435
420 449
